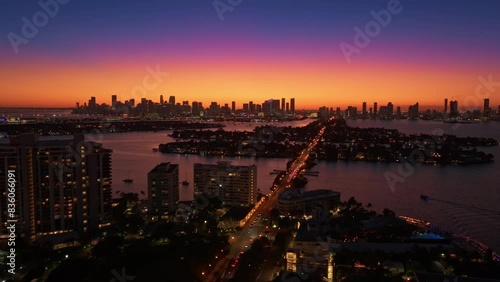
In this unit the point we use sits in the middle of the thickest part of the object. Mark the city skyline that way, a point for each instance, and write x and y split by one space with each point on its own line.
264 140
186 50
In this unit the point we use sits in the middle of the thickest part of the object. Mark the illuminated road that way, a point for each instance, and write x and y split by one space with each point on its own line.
241 240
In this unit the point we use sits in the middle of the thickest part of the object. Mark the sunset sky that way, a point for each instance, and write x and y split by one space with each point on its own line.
262 49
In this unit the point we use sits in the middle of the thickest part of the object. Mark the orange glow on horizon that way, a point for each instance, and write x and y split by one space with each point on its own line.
312 84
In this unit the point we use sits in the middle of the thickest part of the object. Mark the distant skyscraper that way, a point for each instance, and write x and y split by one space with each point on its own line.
171 100
445 105
375 109
233 106
161 99
323 112
352 112
194 108
234 185
486 106
92 105
258 108
63 186
163 190
292 105
413 111
251 107
114 100
390 109
364 109
283 104
275 105
245 107
287 106
454 108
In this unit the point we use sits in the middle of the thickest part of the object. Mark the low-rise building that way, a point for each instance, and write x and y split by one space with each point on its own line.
296 202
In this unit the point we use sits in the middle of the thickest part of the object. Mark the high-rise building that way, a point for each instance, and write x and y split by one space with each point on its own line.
161 99
195 110
292 105
251 107
163 190
287 106
245 108
445 105
171 100
390 109
283 104
233 106
453 108
234 185
352 112
275 105
258 108
114 100
364 109
486 106
92 105
375 109
63 186
413 111
323 112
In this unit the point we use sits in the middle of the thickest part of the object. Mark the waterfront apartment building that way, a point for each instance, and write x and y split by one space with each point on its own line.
163 190
63 186
234 185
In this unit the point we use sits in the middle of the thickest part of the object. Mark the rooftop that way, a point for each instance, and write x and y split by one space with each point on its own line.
165 168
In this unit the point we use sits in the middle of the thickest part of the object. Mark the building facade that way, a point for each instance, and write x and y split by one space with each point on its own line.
234 185
63 186
163 190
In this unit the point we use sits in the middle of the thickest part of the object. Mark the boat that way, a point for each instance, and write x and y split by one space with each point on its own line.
425 197
155 149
